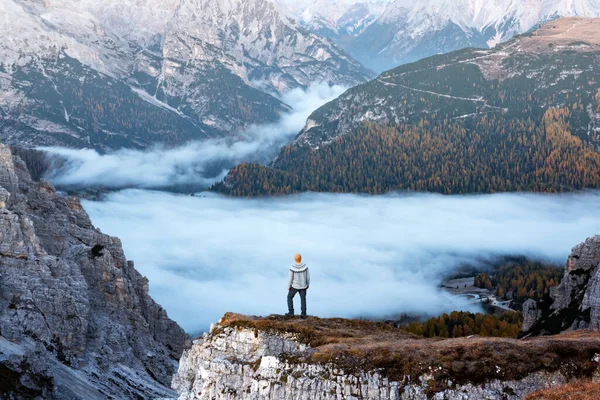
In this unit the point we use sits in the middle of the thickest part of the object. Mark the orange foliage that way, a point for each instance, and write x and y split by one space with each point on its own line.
486 155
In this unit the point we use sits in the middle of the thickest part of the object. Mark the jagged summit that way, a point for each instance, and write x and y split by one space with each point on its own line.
111 74
337 19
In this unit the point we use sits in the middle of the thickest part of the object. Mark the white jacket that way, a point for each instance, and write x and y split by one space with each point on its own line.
299 277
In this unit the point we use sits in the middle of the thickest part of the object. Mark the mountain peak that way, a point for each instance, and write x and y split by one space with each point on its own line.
180 70
442 25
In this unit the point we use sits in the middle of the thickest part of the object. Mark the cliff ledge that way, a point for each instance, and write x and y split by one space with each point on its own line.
277 358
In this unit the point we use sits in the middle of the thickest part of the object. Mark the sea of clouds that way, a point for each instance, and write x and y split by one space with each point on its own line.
369 256
198 163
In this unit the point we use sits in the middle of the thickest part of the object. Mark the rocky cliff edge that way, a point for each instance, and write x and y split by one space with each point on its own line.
575 302
277 358
76 320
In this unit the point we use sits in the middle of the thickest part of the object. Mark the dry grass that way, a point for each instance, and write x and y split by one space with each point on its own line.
568 30
573 33
578 390
563 33
363 345
318 332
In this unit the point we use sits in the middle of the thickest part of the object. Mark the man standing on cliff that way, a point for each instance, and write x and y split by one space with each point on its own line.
298 282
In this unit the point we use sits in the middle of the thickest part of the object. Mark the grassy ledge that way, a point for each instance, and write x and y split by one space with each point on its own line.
358 345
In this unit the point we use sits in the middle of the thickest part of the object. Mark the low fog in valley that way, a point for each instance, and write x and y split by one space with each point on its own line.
197 163
369 256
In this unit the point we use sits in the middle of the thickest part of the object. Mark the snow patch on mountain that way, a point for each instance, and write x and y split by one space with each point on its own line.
336 17
409 30
200 59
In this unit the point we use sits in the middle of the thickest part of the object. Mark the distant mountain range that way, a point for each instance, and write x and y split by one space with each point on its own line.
383 34
522 116
110 74
340 20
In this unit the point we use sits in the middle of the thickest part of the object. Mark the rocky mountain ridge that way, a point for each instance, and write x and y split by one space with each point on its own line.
339 20
111 74
383 34
76 320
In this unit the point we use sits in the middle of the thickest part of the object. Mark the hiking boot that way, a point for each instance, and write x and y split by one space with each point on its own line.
290 314
303 316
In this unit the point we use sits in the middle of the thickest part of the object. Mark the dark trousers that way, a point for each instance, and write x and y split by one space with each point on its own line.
291 295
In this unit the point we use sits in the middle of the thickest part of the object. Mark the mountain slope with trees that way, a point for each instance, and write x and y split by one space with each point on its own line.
522 117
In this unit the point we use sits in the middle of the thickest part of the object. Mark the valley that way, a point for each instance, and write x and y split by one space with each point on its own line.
519 117
370 256
164 163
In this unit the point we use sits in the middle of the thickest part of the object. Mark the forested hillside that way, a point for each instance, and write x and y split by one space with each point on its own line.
522 117
521 281
484 155
459 323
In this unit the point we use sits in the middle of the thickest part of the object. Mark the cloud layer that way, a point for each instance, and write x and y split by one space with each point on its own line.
198 163
368 256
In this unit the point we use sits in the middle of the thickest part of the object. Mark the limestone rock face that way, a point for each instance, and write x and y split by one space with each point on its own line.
530 314
575 302
71 304
4 196
242 363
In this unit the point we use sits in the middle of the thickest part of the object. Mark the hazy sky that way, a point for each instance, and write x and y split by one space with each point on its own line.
368 256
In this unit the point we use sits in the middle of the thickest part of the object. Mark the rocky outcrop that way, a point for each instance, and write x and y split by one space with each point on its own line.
575 302
76 320
530 314
266 358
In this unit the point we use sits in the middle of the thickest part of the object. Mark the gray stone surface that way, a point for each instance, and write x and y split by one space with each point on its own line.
240 364
576 300
530 314
584 258
71 304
